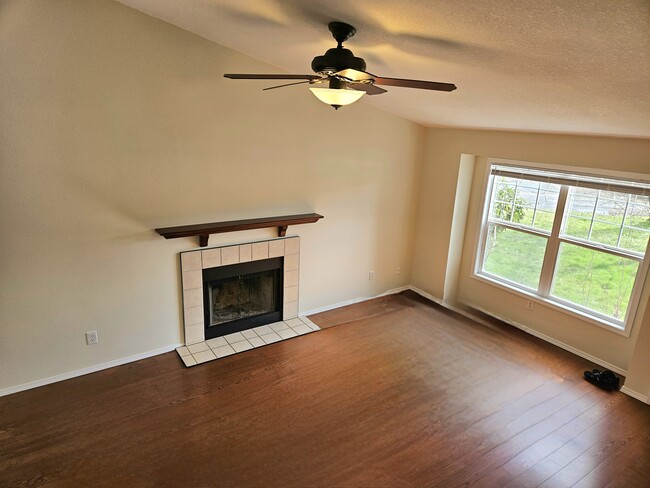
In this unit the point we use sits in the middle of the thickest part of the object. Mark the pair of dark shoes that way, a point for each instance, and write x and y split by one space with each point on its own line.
603 379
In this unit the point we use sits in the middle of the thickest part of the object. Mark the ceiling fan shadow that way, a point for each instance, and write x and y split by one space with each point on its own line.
254 19
318 13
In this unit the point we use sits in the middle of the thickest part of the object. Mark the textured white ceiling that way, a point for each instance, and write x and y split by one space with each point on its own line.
576 66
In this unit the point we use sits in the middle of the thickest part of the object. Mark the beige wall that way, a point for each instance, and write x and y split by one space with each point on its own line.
114 123
638 377
440 172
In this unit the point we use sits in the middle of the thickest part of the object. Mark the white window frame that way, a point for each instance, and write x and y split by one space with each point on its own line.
554 239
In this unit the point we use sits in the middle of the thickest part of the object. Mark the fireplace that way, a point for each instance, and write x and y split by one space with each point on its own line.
210 276
242 296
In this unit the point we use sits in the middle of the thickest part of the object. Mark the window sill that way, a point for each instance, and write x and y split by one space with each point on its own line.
609 326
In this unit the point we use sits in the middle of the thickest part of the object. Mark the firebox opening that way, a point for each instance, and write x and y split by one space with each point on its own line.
242 296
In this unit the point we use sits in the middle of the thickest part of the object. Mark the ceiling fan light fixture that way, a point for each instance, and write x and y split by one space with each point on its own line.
337 97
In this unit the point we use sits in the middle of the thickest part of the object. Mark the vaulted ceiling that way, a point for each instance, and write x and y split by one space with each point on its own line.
579 66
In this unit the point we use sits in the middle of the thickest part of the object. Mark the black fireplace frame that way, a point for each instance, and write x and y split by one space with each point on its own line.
240 269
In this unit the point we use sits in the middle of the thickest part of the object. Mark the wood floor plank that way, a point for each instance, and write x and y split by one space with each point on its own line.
514 456
395 392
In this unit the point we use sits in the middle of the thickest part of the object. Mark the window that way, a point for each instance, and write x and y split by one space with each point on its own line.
574 241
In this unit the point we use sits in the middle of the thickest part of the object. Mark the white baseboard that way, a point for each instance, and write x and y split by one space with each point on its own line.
137 357
480 320
528 330
162 350
83 371
635 394
544 337
354 300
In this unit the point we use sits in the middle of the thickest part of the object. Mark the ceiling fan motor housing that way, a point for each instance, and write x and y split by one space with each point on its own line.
337 59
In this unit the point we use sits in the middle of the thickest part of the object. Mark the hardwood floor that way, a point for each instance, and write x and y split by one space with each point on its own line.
395 392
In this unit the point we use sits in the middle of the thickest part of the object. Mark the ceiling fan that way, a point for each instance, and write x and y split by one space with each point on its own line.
344 73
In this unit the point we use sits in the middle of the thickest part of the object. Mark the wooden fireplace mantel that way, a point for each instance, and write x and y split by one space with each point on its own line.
203 231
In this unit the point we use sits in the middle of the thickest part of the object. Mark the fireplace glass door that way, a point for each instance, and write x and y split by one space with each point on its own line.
242 296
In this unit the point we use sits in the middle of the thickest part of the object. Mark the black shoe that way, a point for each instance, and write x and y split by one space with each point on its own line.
603 379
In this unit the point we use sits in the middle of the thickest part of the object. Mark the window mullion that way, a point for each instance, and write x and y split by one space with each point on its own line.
514 202
536 203
593 216
620 233
520 228
593 247
553 245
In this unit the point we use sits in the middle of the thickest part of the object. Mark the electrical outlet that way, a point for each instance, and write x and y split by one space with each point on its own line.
530 305
371 275
398 270
92 338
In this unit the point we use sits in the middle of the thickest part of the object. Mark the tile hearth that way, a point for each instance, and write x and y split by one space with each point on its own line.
220 347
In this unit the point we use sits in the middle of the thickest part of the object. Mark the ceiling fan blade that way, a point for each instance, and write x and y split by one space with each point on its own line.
424 85
369 88
236 76
355 75
286 84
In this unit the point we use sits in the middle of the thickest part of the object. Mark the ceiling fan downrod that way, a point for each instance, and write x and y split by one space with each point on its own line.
338 58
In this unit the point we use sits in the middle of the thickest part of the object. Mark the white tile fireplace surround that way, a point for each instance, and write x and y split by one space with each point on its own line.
192 265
